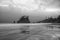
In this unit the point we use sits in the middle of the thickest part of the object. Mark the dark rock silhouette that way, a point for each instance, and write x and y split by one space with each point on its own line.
58 19
50 20
13 21
24 19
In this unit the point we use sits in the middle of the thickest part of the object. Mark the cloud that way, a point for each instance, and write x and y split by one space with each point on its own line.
34 5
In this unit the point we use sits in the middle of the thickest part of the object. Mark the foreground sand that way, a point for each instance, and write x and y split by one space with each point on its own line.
34 31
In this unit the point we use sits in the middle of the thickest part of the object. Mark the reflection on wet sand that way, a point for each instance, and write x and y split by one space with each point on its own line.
28 32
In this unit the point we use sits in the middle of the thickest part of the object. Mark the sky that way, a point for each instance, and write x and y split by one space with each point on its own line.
12 10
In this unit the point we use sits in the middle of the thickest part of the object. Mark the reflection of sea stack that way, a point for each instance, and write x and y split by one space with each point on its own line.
24 19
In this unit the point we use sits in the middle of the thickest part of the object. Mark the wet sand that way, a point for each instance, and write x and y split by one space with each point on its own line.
33 32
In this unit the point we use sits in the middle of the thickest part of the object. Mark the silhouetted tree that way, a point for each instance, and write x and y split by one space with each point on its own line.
13 21
24 19
49 20
58 19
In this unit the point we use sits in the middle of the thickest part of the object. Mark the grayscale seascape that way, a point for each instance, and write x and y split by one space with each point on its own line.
29 19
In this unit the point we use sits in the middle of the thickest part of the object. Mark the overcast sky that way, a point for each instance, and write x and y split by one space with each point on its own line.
11 10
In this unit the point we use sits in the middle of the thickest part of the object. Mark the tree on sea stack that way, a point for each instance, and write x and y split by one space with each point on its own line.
58 19
24 19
